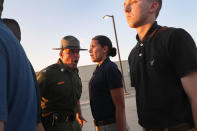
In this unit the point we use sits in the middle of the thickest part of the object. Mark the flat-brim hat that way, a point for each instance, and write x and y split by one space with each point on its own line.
69 42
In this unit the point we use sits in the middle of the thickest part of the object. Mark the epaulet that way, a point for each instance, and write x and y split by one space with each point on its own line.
46 71
49 68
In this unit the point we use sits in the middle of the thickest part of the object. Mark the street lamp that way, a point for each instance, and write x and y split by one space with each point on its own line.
121 70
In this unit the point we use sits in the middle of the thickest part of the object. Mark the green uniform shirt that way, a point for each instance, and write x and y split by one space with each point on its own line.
60 89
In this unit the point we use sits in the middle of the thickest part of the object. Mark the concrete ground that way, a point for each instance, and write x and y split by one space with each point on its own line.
131 113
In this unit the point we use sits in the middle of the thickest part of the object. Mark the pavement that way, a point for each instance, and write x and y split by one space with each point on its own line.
131 113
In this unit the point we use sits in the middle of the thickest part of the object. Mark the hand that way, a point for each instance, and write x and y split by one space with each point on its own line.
2 125
80 119
39 127
43 102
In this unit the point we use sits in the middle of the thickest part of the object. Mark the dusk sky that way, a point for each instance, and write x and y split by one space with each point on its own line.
44 22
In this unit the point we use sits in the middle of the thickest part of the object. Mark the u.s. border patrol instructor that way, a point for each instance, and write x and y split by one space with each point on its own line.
61 88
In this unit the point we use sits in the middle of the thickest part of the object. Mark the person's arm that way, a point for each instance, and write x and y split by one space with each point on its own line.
1 126
119 102
189 83
79 116
40 127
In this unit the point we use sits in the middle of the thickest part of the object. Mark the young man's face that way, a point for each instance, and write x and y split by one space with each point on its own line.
137 12
70 57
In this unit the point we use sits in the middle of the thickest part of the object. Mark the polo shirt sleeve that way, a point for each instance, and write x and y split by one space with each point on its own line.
182 52
3 84
113 77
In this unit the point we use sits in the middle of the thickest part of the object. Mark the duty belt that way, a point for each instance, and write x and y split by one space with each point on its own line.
52 118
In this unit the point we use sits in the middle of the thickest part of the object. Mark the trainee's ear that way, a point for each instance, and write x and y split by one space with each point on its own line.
154 7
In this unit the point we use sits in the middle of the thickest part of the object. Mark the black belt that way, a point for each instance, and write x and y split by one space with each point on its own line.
179 127
104 122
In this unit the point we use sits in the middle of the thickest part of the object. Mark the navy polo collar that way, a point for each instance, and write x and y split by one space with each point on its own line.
105 61
150 32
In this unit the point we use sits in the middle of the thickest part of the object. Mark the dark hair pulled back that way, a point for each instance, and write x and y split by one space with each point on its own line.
105 41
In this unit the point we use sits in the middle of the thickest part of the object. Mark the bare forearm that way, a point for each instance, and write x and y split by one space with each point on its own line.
118 99
194 111
1 126
39 127
189 83
120 119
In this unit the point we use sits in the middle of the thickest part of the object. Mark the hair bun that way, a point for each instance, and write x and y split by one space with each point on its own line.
112 52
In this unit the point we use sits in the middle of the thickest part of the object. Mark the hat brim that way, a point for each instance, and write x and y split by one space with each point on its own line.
68 48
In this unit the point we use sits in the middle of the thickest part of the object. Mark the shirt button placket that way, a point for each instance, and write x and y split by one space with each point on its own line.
141 46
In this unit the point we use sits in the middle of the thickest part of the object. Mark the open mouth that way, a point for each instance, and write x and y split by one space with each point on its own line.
76 61
91 55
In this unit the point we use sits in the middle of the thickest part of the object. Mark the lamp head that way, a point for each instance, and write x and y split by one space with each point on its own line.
107 16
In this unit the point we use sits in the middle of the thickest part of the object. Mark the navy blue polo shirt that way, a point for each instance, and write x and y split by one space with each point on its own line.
18 100
105 78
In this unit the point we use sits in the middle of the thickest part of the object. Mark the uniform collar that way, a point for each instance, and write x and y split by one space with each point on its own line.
63 67
154 28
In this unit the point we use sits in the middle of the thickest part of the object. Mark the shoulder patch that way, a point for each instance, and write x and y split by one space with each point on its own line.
49 68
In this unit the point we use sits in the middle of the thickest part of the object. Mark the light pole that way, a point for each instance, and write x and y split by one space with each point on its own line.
121 70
